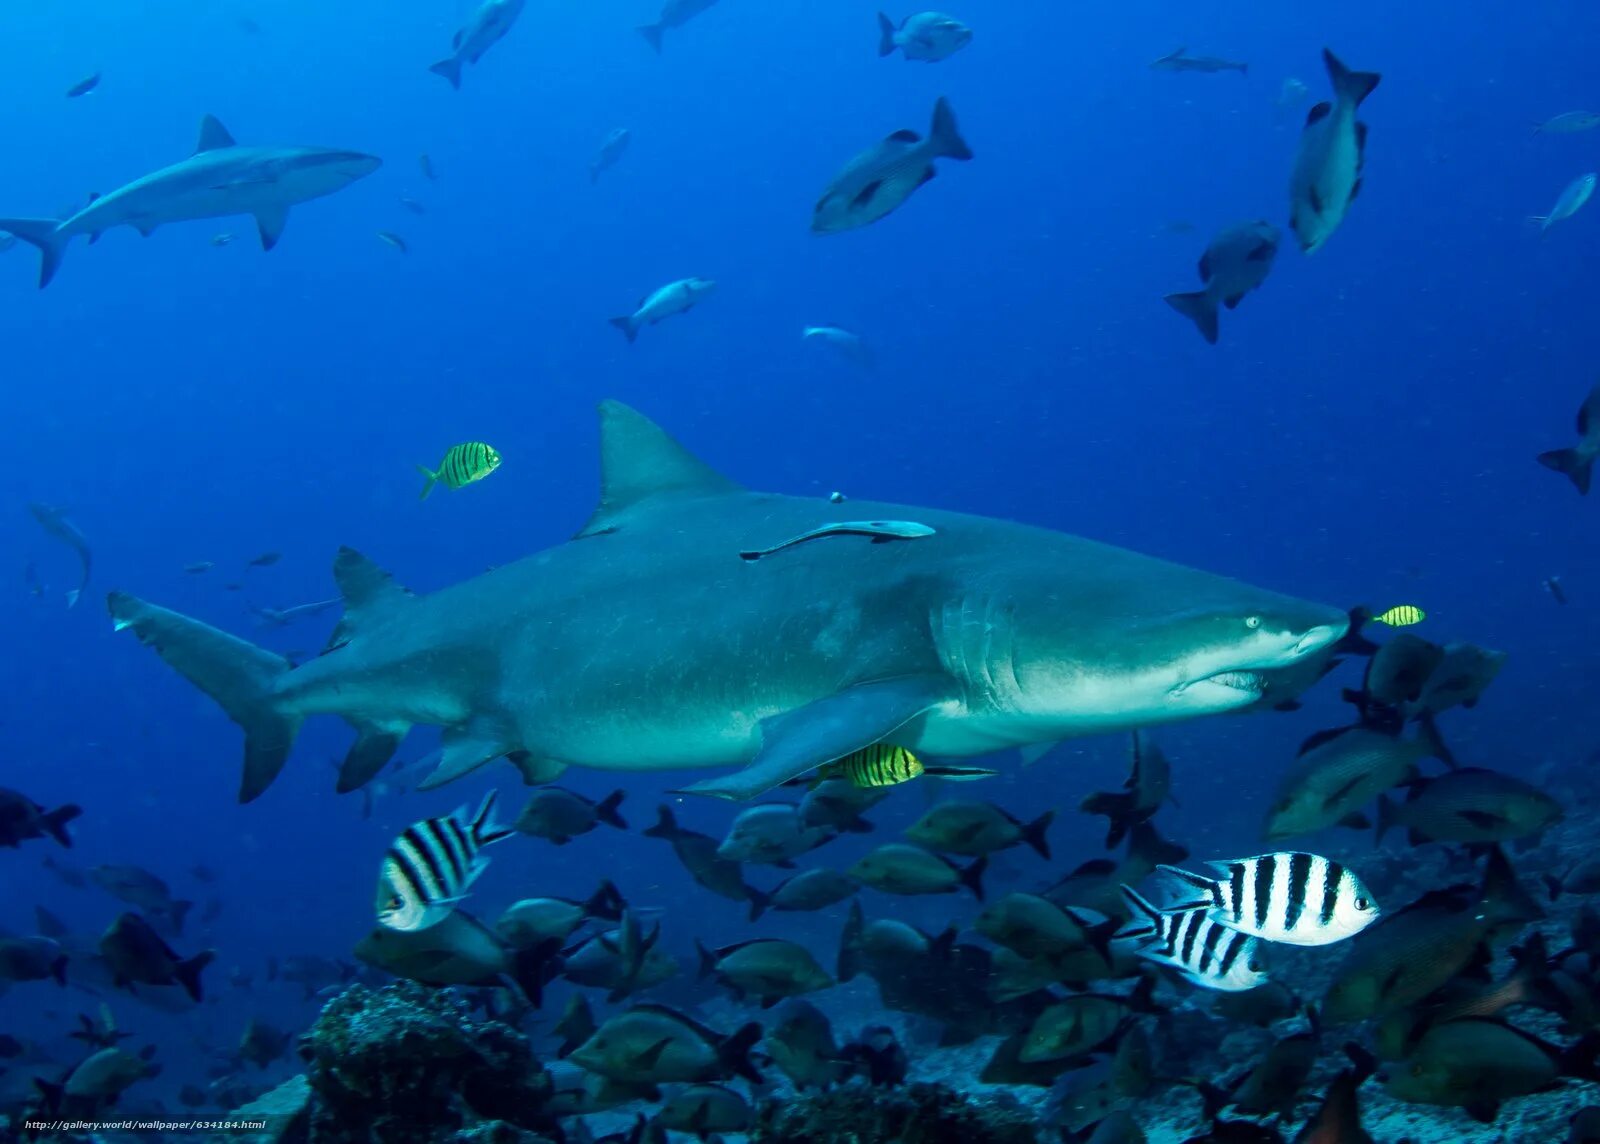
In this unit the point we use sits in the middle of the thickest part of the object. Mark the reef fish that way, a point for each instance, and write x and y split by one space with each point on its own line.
1328 165
1293 898
433 864
485 28
463 465
884 176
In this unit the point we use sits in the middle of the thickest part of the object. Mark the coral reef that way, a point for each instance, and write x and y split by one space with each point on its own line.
409 1065
858 1113
286 1109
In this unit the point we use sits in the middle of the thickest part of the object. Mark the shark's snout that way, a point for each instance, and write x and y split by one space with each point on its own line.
1319 637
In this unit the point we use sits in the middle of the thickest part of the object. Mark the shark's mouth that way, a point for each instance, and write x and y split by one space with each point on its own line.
1249 684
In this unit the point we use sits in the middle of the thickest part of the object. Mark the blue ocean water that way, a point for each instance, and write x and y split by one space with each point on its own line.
1364 432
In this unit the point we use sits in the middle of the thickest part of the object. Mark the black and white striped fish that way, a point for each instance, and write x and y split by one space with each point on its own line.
1294 898
1208 953
432 864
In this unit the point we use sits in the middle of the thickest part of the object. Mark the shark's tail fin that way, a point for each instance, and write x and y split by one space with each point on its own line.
238 675
886 31
450 69
1201 309
45 235
1577 466
652 35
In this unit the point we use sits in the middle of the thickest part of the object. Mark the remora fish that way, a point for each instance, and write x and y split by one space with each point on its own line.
1237 261
927 36
611 149
220 179
1327 168
1567 123
674 298
1578 462
674 14
482 31
992 634
54 521
880 532
1178 61
283 617
884 176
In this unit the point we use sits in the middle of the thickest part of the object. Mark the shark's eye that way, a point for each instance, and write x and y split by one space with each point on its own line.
1252 622
1363 904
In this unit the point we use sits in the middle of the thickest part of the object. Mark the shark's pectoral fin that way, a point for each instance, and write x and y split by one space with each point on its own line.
465 749
270 221
375 745
828 729
534 770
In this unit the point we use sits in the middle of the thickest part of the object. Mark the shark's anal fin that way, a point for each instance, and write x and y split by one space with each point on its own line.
375 745
270 221
828 729
639 462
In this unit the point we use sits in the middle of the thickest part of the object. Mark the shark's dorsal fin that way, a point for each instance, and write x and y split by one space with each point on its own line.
367 590
213 135
639 462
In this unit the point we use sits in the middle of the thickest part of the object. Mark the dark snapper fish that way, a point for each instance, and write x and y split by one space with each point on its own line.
1327 168
22 819
880 179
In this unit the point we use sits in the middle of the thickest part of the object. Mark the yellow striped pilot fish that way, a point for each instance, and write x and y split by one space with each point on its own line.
1401 616
462 465
880 765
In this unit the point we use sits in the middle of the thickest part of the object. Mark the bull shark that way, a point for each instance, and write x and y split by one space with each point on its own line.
221 178
645 643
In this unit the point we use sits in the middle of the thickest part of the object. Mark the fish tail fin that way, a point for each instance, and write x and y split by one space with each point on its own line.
239 676
734 1052
1580 1060
944 135
44 235
1577 467
666 825
532 969
433 479
606 810
625 324
51 1094
1152 916
179 914
187 973
1433 742
1201 309
72 597
849 962
1385 817
606 903
451 70
55 823
651 34
760 902
707 961
1034 834
1353 86
485 831
972 877
886 31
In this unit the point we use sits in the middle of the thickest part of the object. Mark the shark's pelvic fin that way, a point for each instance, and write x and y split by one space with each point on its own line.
464 750
213 135
238 675
640 463
828 729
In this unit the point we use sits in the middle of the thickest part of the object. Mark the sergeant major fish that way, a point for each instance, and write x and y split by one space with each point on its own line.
433 864
1293 898
672 299
1208 953
927 36
1327 167
879 531
483 30
883 177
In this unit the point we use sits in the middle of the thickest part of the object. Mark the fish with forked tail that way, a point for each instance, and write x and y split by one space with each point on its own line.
482 31
1328 165
1577 463
884 176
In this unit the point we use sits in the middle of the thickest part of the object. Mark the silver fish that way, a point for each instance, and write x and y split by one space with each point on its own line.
883 177
1327 167
880 531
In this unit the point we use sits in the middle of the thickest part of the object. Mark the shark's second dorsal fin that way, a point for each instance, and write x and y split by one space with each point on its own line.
367 590
213 135
639 462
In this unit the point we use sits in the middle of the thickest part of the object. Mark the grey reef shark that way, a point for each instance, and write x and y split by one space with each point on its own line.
645 643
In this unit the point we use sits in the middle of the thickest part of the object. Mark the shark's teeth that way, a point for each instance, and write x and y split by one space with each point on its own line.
1238 680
